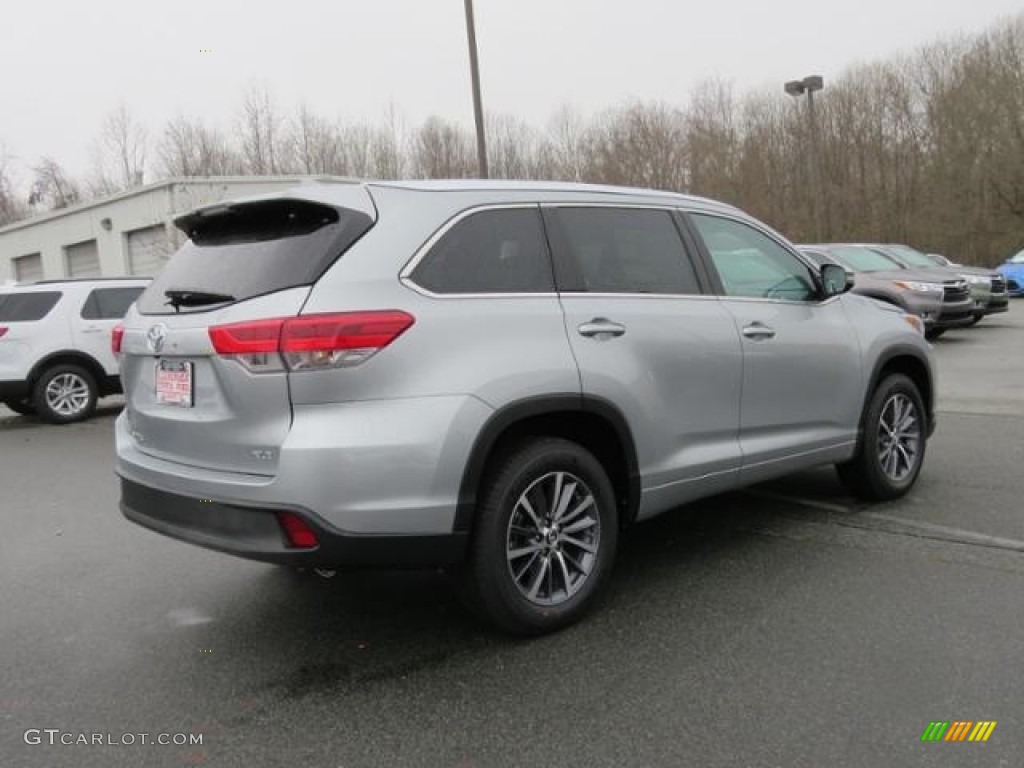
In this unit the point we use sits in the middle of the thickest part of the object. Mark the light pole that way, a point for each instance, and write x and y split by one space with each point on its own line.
796 89
478 108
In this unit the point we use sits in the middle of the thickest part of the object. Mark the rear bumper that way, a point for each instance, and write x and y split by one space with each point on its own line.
254 533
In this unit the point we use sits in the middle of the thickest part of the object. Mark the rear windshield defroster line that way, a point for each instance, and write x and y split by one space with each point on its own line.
252 249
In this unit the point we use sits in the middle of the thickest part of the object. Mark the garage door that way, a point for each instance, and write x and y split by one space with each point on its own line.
28 269
83 259
148 250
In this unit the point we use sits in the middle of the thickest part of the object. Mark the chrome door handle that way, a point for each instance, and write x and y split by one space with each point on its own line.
759 331
92 329
600 326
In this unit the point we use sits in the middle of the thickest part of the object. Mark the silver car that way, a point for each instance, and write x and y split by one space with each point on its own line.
497 378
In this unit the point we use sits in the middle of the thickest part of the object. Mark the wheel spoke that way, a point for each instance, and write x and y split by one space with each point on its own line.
522 572
580 525
563 502
581 544
565 573
524 504
580 508
535 587
556 493
515 554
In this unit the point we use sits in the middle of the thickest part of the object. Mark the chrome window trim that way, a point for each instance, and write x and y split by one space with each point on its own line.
405 275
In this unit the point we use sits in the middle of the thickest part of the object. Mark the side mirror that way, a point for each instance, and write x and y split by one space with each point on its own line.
835 280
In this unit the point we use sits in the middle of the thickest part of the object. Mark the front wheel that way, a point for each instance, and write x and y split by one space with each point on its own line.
892 444
545 537
65 393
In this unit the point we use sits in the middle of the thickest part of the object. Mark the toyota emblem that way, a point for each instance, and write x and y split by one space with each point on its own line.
155 337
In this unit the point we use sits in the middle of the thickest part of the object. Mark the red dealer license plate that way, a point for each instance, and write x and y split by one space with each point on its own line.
174 383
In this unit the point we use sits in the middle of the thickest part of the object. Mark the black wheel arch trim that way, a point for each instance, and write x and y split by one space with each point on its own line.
509 415
894 353
70 357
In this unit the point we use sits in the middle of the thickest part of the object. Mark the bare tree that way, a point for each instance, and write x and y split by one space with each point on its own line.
11 207
119 153
190 148
443 150
259 126
52 187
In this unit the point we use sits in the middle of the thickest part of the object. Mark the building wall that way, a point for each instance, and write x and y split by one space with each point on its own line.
158 204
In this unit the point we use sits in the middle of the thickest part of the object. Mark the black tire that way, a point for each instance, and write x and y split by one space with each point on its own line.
489 582
58 409
975 318
933 333
865 476
24 407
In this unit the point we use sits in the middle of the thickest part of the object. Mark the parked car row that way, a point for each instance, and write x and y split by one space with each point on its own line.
943 294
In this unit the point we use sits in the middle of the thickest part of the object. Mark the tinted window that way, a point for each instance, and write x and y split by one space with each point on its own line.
750 263
863 259
622 250
109 303
26 307
252 249
499 251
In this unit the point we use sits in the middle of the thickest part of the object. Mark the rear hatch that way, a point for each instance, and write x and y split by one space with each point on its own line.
198 393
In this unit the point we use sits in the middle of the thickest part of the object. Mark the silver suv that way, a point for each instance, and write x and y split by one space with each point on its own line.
496 377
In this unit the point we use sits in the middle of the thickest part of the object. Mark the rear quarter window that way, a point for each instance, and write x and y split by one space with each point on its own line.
27 307
492 251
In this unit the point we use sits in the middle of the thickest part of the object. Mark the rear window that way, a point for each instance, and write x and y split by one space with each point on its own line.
251 249
26 307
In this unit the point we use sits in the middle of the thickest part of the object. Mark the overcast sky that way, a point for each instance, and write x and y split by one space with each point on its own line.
64 64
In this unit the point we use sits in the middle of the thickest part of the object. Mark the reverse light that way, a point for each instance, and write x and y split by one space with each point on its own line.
297 532
310 342
116 339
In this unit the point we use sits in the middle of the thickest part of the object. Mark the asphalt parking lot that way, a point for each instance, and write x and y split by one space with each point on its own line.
783 626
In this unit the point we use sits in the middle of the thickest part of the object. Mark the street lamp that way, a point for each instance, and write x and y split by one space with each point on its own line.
796 89
478 109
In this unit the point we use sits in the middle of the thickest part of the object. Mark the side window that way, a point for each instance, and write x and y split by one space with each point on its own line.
109 303
622 250
495 251
28 306
750 263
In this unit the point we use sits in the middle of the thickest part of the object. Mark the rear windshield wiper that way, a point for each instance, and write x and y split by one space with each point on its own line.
186 298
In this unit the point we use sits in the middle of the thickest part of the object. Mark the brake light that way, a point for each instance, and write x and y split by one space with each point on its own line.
116 339
310 342
297 532
340 340
2 330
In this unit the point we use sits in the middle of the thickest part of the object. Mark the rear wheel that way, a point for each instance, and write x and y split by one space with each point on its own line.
545 537
892 444
65 393
24 407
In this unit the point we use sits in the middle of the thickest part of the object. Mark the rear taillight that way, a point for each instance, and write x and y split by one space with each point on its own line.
310 342
116 339
2 330
296 531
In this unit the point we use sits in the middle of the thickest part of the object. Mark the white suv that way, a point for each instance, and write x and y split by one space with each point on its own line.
55 344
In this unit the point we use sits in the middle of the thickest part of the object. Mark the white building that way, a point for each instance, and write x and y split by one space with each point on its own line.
132 233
